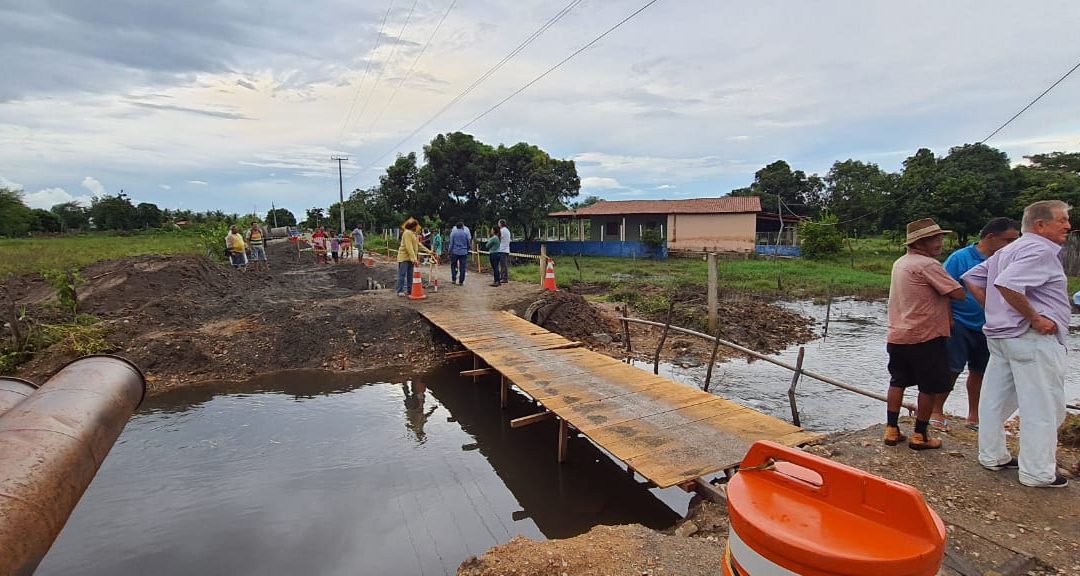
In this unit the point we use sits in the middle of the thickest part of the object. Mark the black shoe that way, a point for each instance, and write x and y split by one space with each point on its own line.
495 285
1059 482
1012 464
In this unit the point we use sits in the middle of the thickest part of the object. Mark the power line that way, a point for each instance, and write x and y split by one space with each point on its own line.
411 68
352 106
382 70
563 61
1032 103
491 71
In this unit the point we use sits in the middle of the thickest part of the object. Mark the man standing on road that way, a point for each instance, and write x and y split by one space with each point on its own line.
919 296
460 240
358 240
504 252
967 343
1025 294
256 240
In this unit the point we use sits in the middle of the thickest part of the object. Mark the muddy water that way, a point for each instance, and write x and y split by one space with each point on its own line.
854 352
317 473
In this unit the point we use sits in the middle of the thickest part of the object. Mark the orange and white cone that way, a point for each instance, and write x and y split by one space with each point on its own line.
417 286
369 260
549 276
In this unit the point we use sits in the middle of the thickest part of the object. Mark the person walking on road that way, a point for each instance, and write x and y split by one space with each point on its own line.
408 255
504 252
460 241
919 295
234 246
494 256
358 240
1024 291
256 241
967 343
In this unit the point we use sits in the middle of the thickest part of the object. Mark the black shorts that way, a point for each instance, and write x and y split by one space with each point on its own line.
925 365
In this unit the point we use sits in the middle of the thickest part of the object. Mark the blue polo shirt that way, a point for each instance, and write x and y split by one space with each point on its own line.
967 311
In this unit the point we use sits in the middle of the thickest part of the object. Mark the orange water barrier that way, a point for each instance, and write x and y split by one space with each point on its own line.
794 513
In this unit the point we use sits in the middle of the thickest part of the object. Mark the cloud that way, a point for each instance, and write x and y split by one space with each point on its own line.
49 197
197 182
164 186
5 183
664 187
598 183
95 187
188 110
245 84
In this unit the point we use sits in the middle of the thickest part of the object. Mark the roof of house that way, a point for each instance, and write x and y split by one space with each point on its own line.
725 205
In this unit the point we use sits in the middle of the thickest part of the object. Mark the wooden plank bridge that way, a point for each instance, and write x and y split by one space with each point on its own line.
669 433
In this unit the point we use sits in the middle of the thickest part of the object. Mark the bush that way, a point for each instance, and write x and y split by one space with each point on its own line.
820 237
652 238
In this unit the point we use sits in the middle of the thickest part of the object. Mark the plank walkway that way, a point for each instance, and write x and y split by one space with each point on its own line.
670 433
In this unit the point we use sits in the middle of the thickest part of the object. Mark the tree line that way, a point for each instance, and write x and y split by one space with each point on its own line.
961 190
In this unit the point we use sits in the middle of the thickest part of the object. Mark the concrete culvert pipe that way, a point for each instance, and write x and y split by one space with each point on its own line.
51 446
13 391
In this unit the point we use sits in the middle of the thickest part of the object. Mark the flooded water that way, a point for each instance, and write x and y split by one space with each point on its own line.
320 473
854 352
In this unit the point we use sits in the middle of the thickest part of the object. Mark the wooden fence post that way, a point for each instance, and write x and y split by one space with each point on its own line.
663 337
543 262
791 390
713 303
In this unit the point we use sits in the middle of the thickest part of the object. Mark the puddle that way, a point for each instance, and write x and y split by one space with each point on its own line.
854 352
325 473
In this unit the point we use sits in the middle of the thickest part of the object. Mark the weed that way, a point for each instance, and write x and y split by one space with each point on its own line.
65 283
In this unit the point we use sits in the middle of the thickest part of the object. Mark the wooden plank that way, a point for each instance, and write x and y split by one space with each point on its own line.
504 391
563 435
458 354
532 419
478 372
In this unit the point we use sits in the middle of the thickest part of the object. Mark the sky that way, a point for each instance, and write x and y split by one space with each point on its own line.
233 106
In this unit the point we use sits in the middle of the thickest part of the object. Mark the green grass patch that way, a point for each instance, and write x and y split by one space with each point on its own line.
30 255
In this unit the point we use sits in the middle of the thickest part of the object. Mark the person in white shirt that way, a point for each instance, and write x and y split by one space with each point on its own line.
504 249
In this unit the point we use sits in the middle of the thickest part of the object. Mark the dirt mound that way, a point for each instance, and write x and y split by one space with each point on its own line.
567 314
762 326
603 551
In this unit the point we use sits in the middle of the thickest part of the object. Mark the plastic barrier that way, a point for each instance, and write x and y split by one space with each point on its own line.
794 513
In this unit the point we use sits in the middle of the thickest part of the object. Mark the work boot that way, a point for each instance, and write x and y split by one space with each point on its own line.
893 436
923 442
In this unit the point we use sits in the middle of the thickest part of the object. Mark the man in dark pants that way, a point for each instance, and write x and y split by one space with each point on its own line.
504 252
919 318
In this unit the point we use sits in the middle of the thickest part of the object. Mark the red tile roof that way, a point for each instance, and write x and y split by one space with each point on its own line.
725 205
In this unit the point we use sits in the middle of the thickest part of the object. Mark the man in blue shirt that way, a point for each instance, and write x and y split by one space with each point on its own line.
460 241
967 343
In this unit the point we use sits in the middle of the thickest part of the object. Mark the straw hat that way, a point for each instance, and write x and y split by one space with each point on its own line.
924 228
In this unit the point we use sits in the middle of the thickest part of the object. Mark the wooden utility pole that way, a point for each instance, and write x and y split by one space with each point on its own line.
713 303
341 190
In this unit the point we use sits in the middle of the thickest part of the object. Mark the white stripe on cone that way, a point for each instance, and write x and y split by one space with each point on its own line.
754 564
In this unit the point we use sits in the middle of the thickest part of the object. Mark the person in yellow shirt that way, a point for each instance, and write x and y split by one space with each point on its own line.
408 255
256 240
234 245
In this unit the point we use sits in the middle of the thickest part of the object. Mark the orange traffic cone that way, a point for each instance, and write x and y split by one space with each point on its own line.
417 286
549 276
369 260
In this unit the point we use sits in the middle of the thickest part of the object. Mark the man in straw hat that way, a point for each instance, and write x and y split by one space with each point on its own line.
919 325
1025 293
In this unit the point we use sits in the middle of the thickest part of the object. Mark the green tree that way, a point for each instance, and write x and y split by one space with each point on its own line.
44 221
113 212
1061 161
821 237
71 215
584 202
315 218
148 215
15 217
798 192
1036 183
856 193
280 217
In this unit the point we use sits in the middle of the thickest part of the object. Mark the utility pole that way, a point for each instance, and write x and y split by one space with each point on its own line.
273 211
341 190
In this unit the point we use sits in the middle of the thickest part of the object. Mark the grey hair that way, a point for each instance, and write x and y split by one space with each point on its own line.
1041 210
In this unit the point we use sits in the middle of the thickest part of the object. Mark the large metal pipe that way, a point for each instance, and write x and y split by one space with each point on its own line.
13 391
51 446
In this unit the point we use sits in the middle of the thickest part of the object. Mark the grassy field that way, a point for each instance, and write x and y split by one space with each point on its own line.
29 255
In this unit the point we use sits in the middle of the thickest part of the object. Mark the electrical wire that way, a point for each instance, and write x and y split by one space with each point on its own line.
367 68
479 80
382 70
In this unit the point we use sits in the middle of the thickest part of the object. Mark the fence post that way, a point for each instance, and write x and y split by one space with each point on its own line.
663 337
712 293
794 383
543 262
626 327
712 360
828 311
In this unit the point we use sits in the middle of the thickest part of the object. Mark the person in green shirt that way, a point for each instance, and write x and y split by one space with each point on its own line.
494 256
437 243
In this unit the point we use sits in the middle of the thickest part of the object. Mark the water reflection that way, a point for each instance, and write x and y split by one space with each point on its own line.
312 472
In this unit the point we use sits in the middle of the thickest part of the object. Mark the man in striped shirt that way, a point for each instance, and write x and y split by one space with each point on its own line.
256 240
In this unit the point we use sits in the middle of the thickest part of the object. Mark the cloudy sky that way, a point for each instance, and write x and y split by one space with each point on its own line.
222 105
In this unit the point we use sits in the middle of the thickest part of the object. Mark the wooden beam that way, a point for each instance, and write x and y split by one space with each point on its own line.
458 354
564 433
708 490
531 419
504 391
478 372
566 346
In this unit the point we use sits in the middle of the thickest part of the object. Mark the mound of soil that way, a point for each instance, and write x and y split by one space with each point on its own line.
569 315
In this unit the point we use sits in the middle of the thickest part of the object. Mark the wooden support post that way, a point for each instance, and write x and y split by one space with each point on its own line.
626 330
543 262
828 311
708 490
532 419
458 354
712 361
794 383
713 292
504 391
564 434
475 365
663 338
478 372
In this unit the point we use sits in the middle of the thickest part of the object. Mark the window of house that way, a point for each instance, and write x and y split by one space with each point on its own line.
651 225
611 229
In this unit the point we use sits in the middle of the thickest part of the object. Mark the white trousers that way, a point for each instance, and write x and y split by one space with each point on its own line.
1025 373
